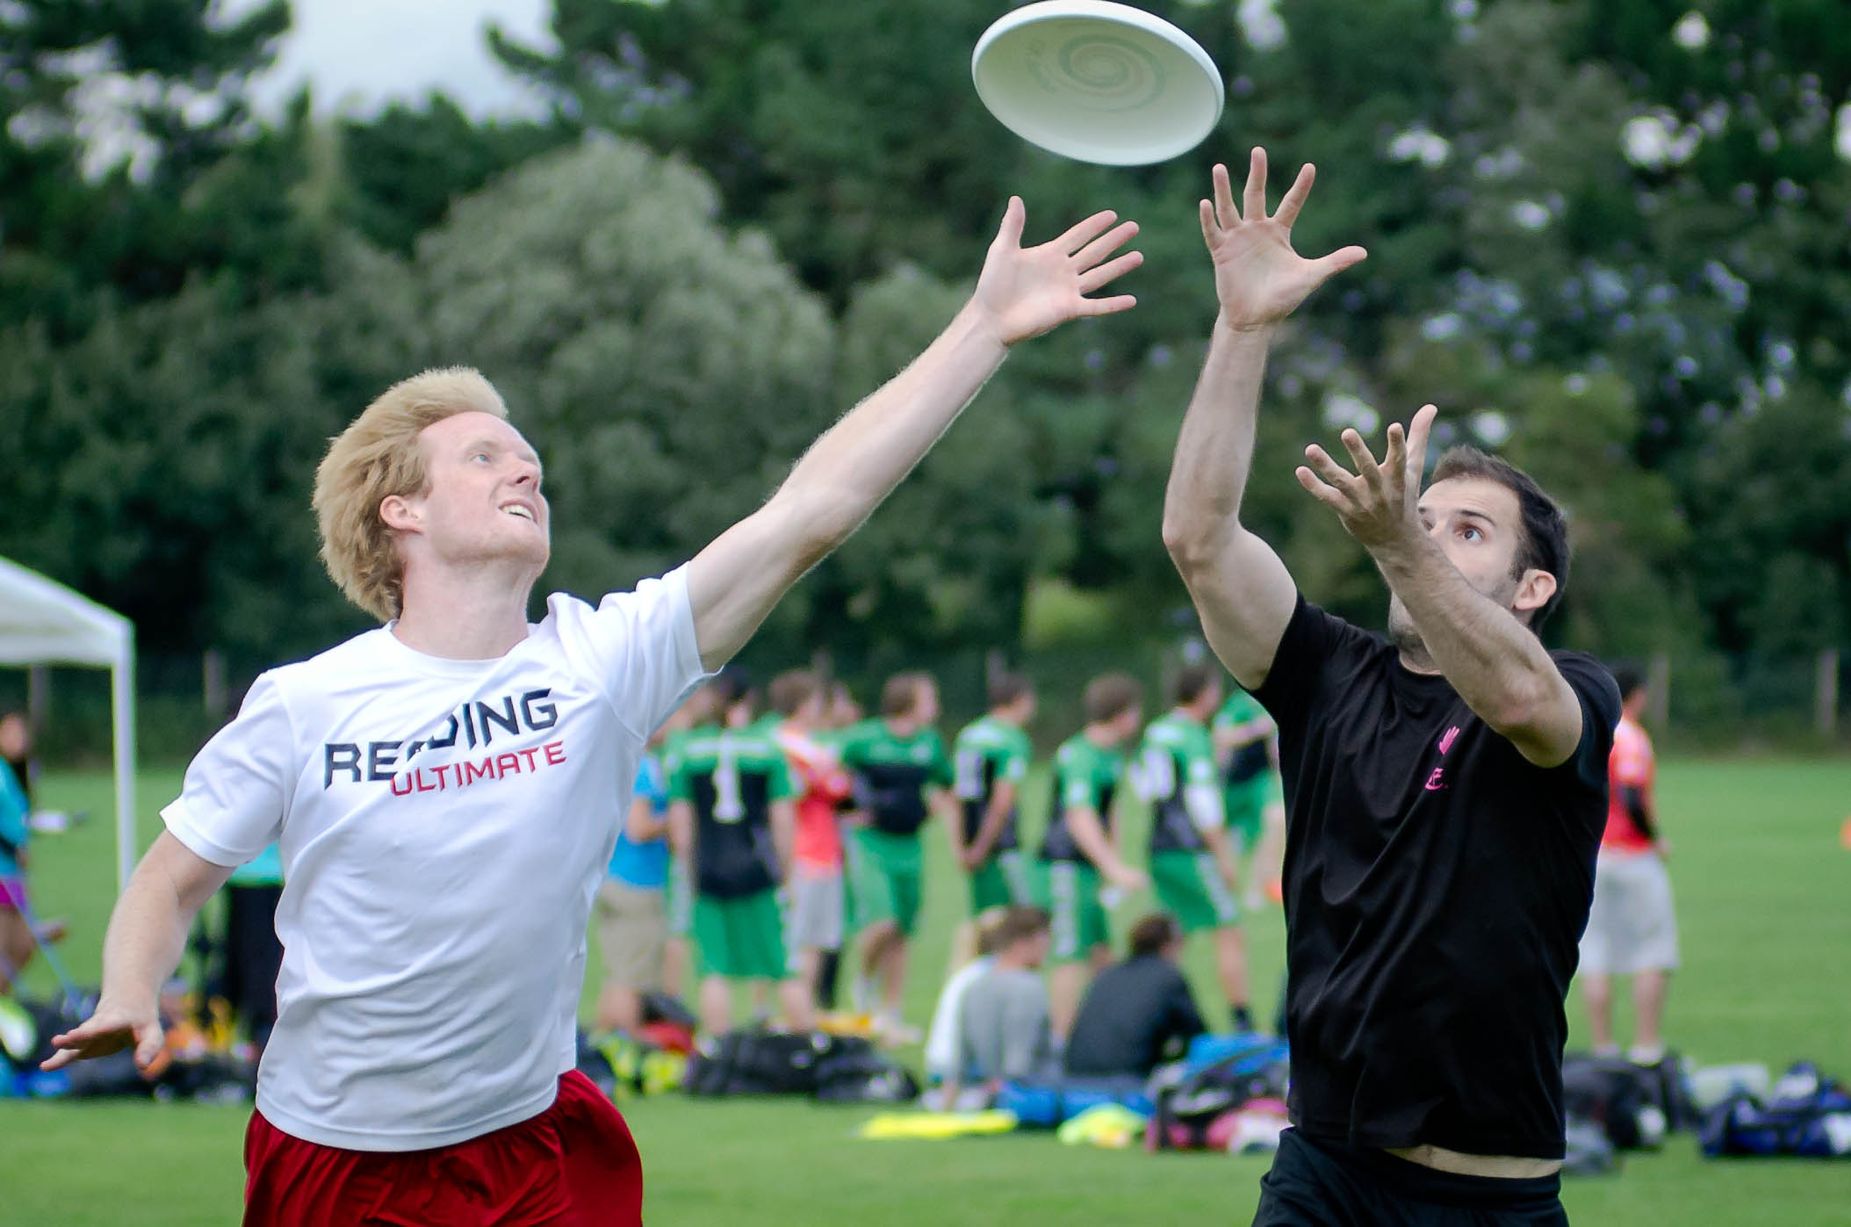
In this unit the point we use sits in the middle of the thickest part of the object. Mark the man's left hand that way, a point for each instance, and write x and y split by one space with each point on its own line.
1378 503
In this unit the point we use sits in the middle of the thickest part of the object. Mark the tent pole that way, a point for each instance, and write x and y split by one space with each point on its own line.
122 703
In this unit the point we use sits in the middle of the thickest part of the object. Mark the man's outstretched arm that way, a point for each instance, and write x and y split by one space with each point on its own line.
147 934
1240 587
1022 292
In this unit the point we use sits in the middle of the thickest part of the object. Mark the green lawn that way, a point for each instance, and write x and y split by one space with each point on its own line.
1764 898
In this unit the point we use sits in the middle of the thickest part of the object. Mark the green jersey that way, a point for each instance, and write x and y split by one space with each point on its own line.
1176 774
730 777
987 753
1085 776
1250 760
891 773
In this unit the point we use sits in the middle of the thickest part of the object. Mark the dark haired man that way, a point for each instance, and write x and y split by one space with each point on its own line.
1447 783
1191 854
990 759
1081 846
1138 1013
901 776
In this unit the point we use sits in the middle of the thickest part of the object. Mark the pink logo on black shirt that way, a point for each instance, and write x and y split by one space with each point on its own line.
1437 781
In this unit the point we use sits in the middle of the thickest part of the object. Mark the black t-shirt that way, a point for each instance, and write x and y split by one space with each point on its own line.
1133 1013
1436 887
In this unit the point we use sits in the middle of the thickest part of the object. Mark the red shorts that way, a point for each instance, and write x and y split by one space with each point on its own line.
574 1165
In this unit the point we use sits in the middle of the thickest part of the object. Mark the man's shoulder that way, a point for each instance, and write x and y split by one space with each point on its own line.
338 666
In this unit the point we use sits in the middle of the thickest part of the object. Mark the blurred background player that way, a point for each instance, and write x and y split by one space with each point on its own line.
1632 928
1247 747
1138 1013
1079 848
632 903
252 954
1191 856
1003 1030
730 814
813 920
901 776
990 758
16 940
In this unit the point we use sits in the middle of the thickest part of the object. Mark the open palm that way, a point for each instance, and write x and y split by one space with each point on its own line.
1031 290
1258 277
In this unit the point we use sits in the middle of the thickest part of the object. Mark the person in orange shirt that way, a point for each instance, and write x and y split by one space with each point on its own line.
1632 929
814 920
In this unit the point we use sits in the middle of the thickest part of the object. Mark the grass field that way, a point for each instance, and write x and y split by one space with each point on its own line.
1764 899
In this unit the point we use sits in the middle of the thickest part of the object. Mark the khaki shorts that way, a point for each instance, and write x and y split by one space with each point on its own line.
814 921
1632 927
632 930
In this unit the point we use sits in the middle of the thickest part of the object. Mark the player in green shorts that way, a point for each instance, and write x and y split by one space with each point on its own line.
730 808
901 776
1079 847
990 758
1191 857
1246 745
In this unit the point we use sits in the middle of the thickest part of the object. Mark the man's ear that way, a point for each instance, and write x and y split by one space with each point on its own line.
1533 591
399 515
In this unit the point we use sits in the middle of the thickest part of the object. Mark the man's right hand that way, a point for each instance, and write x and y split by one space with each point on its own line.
110 1029
1258 277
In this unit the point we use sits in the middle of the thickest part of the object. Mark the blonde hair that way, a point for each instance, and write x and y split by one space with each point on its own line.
374 458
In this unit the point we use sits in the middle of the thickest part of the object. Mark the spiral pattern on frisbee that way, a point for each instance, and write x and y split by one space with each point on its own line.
1100 72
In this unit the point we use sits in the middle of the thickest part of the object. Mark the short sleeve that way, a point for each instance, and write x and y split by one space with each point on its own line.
1599 696
849 750
638 647
238 787
1076 787
1014 768
1315 644
14 828
782 786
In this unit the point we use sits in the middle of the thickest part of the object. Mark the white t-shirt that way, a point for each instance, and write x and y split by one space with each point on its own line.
444 825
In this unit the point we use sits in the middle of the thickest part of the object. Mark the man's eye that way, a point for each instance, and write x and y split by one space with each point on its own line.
1471 534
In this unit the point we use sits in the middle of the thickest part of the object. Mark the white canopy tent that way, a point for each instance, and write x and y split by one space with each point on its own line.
45 623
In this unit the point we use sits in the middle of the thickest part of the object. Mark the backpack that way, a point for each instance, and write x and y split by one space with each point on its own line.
1807 1114
1189 1108
851 1070
1625 1100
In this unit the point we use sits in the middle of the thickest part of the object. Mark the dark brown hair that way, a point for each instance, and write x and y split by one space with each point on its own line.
1151 934
1191 682
1006 688
793 688
902 691
1111 694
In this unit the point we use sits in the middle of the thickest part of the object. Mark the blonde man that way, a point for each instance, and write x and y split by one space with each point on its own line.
446 788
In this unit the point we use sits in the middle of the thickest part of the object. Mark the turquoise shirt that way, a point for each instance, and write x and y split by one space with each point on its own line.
264 869
13 810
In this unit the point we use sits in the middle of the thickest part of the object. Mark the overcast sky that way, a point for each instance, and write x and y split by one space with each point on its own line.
359 54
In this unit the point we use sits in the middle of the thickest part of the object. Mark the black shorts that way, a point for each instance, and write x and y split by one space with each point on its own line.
1323 1184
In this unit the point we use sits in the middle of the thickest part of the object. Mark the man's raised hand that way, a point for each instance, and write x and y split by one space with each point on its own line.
1258 277
1378 503
109 1029
1027 291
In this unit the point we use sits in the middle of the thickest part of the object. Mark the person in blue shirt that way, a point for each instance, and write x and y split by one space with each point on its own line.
252 952
16 940
632 904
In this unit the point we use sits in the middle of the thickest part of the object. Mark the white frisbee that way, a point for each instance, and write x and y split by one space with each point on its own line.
1097 82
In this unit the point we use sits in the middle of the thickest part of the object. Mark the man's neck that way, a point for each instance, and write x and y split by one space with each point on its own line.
901 727
463 615
1100 735
1184 712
